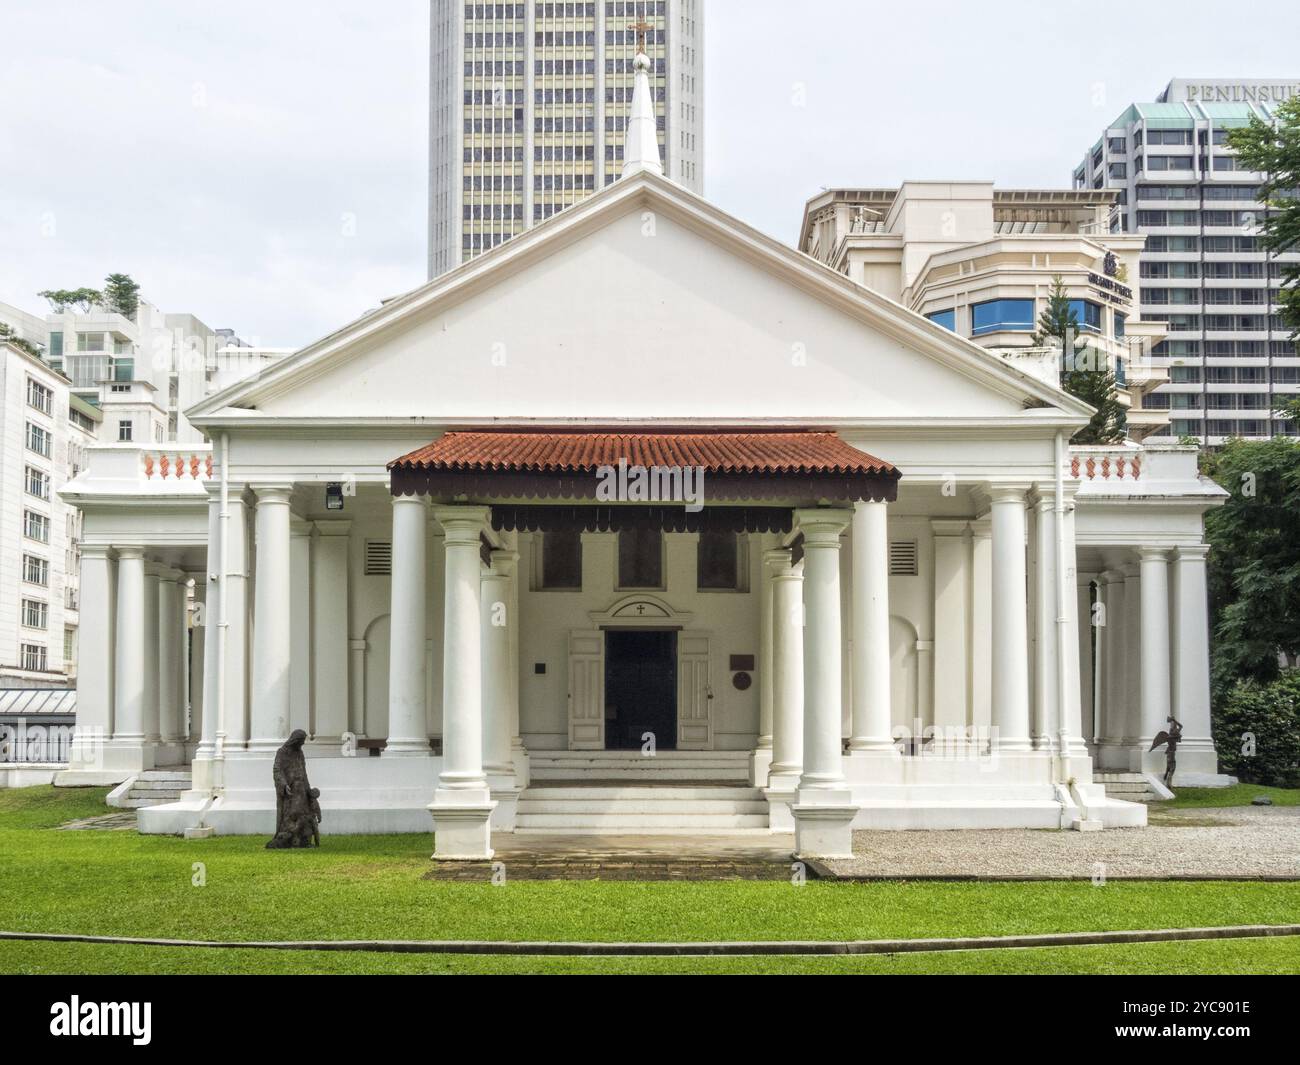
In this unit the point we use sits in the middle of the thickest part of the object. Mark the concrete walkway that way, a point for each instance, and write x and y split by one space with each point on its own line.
1246 842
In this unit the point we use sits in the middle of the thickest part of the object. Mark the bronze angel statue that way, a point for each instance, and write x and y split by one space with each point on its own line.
1171 740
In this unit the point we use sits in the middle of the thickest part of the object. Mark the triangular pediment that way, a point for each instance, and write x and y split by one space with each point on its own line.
646 304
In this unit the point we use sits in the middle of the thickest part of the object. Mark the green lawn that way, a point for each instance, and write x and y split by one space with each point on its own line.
1241 956
1236 795
121 883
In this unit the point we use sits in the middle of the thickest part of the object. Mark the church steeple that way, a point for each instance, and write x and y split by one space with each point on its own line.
641 145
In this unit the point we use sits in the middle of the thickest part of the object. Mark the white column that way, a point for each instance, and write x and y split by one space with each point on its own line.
272 594
333 664
1071 720
773 561
462 803
210 619
129 667
494 611
1113 655
1154 562
824 812
787 672
871 652
950 663
407 717
981 635
1010 680
1088 662
1133 665
234 716
822 678
300 606
153 574
518 752
170 634
1046 708
95 664
198 659
1191 673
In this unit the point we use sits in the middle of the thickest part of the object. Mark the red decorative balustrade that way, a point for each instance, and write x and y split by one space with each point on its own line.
177 465
1106 465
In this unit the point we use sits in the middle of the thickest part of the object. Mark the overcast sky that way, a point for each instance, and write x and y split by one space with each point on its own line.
263 164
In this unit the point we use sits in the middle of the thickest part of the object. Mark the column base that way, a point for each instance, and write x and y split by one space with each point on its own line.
505 793
823 823
519 759
760 767
406 749
779 801
461 831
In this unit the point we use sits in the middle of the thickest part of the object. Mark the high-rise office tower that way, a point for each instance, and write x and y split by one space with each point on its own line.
1203 270
528 104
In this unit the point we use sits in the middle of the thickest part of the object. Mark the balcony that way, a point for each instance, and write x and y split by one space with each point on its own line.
122 470
1133 470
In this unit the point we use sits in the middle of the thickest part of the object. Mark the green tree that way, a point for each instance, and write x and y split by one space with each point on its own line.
63 298
8 336
121 295
1254 559
1084 373
1274 150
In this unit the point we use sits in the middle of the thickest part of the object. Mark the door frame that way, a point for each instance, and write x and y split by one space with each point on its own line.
639 610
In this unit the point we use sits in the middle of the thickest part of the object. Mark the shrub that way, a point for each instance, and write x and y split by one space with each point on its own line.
1257 731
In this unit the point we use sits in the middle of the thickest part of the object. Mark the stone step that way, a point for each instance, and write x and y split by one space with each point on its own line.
641 806
671 793
1132 787
136 802
149 784
638 822
656 774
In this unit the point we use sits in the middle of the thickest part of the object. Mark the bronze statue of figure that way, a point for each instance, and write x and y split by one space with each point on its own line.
297 811
1171 739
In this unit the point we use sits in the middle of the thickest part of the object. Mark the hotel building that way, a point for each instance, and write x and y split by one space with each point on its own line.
1203 270
982 262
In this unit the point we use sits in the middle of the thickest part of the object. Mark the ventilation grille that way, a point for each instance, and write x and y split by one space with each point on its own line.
902 558
379 558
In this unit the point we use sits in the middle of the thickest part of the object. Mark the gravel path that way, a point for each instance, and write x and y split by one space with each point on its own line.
1235 841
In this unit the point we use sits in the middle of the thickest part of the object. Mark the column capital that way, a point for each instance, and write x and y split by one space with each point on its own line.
279 492
96 551
821 527
463 524
1153 553
1111 576
135 554
503 564
1192 553
236 489
299 527
777 559
1008 491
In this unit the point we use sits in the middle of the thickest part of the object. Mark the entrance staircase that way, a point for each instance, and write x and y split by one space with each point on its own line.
625 793
1131 787
152 787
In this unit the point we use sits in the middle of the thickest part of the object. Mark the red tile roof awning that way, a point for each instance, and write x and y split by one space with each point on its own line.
799 465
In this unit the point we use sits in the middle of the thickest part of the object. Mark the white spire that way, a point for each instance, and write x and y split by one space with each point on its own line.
641 146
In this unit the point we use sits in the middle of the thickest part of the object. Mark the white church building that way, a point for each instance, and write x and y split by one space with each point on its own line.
877 587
